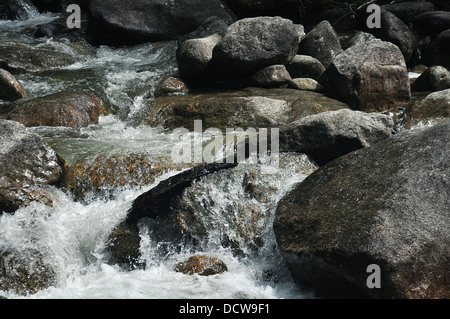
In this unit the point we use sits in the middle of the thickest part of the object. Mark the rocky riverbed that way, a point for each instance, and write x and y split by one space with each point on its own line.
94 200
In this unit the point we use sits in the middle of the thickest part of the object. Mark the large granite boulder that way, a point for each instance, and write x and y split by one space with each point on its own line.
385 205
254 43
371 76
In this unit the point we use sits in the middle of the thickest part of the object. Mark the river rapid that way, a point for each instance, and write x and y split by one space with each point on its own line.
71 235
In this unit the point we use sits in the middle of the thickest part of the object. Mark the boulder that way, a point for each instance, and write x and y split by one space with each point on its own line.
116 22
271 76
24 272
254 43
370 77
123 246
432 22
72 109
305 66
407 11
24 58
393 30
251 107
28 165
437 51
429 79
10 88
194 57
443 84
202 265
322 43
306 84
170 85
105 173
328 135
434 107
385 205
212 25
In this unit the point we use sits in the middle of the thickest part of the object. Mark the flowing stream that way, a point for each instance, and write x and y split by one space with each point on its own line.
71 235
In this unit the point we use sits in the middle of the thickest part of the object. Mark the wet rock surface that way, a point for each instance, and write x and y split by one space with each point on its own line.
202 265
381 205
10 88
28 165
251 107
71 109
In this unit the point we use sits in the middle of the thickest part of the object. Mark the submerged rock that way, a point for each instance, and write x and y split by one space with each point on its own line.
246 212
72 109
24 272
386 205
24 58
123 246
28 165
10 89
202 265
371 76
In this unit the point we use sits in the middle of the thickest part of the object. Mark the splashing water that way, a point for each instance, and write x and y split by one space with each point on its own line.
72 236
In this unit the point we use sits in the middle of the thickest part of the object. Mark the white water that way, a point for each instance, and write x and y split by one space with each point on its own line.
71 236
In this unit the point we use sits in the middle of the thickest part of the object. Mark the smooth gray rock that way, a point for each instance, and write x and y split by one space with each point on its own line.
254 43
10 88
194 57
322 43
306 84
271 76
429 79
328 135
305 66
